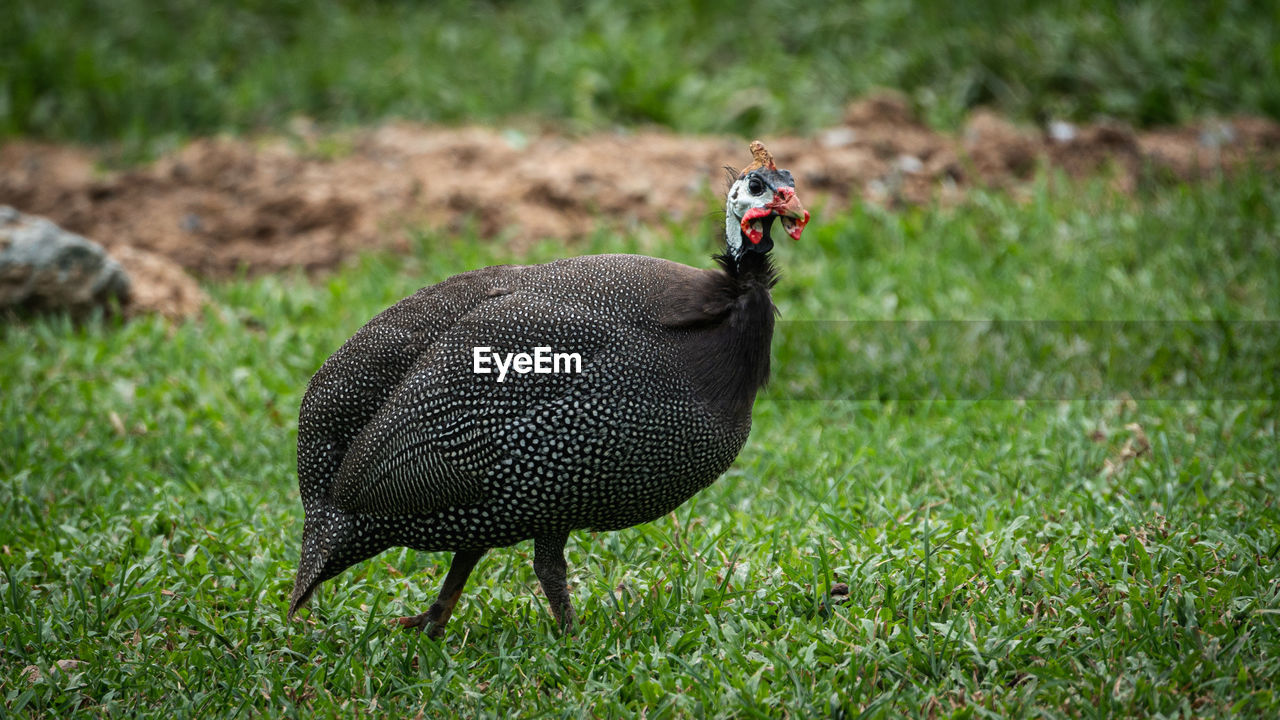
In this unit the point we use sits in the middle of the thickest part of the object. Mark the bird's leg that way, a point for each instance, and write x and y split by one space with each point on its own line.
549 566
437 615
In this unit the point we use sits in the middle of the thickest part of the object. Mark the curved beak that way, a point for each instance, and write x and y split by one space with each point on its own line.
787 206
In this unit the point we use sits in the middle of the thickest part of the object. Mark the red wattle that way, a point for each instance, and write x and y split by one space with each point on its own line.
755 236
798 226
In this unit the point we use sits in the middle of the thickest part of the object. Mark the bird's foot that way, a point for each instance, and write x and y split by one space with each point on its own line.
427 621
415 622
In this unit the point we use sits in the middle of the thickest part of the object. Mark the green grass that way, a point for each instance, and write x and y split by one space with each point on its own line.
996 566
137 71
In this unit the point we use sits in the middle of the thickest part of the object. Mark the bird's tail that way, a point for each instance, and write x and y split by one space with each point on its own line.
325 530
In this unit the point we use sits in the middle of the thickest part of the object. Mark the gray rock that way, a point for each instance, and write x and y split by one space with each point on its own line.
43 267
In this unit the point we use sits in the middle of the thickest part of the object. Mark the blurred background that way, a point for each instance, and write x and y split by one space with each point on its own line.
138 70
332 120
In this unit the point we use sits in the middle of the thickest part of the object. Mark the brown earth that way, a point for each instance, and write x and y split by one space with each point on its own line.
309 201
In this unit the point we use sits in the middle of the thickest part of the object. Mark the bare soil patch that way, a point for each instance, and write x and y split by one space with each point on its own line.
221 205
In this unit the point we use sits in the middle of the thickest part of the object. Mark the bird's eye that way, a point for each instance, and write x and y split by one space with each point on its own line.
755 186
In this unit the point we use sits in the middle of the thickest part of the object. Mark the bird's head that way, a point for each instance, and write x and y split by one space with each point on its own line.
758 195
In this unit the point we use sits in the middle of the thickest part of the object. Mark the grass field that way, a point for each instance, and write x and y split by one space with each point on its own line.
1020 549
141 72
1034 433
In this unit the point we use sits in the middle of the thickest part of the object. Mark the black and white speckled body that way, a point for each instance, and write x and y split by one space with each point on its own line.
401 443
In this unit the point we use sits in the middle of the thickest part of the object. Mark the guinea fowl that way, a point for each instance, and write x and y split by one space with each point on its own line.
404 440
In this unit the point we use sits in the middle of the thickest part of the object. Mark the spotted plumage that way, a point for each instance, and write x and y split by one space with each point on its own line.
402 443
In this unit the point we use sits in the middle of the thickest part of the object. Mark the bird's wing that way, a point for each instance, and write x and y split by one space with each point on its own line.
445 431
355 382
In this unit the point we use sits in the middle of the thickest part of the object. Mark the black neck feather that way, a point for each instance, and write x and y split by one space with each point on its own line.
751 268
733 362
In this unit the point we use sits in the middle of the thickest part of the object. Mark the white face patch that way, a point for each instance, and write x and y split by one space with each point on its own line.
739 201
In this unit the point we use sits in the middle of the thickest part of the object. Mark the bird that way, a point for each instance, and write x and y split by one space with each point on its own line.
457 420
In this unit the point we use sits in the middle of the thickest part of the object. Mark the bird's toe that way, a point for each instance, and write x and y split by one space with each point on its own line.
414 622
428 622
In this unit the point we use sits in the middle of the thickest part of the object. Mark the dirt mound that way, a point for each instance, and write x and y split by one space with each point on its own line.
221 205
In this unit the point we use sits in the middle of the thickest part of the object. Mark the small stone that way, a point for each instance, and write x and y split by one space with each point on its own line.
910 164
1217 134
838 137
1061 131
191 223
